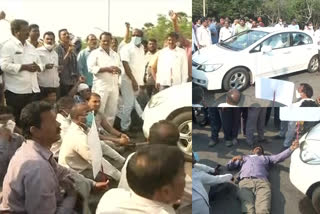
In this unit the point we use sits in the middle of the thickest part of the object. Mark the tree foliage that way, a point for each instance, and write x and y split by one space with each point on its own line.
164 26
270 10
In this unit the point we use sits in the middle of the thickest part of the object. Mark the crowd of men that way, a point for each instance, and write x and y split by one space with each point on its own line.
232 119
207 31
56 95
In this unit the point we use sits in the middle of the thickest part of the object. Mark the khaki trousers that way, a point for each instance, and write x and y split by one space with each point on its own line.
255 196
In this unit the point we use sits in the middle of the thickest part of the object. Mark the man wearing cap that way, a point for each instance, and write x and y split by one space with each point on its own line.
80 91
254 187
83 93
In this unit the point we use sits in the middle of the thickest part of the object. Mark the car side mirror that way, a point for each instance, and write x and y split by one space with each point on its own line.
266 49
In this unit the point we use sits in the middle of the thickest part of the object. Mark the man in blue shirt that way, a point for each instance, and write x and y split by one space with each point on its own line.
83 56
213 30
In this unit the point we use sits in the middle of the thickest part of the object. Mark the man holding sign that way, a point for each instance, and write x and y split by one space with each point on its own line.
288 128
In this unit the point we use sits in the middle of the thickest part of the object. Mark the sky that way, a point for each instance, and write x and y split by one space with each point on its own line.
82 17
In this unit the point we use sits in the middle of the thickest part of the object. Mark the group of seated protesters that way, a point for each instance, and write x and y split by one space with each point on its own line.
46 163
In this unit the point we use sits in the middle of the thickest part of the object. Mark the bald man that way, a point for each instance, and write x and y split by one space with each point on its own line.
230 117
232 98
166 133
75 152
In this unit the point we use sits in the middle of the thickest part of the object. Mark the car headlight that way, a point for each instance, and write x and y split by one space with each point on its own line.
310 153
156 100
209 67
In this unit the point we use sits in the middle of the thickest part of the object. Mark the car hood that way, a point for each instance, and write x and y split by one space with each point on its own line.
177 90
213 54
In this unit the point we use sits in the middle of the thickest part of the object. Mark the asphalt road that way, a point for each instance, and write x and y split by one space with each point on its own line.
214 98
286 199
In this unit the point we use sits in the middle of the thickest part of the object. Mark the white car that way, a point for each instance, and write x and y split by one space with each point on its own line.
261 52
305 166
172 104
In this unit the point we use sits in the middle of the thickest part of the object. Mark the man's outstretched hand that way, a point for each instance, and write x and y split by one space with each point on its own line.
294 145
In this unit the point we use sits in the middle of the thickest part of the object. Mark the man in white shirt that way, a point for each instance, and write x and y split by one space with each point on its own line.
172 67
225 32
5 29
279 25
49 77
294 25
132 57
204 34
5 35
105 64
165 133
309 29
64 106
20 63
75 152
156 177
34 34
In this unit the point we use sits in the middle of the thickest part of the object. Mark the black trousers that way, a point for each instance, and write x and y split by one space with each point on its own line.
215 122
244 116
230 122
18 101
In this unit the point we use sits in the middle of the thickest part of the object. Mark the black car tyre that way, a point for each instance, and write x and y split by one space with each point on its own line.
184 123
313 64
237 78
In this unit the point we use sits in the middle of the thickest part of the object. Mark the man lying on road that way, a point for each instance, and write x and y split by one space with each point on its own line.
254 187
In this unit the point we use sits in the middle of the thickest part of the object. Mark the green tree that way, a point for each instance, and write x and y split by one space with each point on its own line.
164 26
269 10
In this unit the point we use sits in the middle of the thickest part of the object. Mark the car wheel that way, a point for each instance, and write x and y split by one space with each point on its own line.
313 64
237 78
316 199
184 123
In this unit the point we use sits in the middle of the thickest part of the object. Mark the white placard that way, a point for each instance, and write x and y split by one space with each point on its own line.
300 113
95 148
279 90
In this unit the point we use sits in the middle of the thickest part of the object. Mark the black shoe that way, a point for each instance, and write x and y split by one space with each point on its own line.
213 142
204 123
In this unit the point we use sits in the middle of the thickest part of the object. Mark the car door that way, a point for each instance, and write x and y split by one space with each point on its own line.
303 50
271 55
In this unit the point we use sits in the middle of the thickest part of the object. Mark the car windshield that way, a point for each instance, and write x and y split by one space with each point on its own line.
243 40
